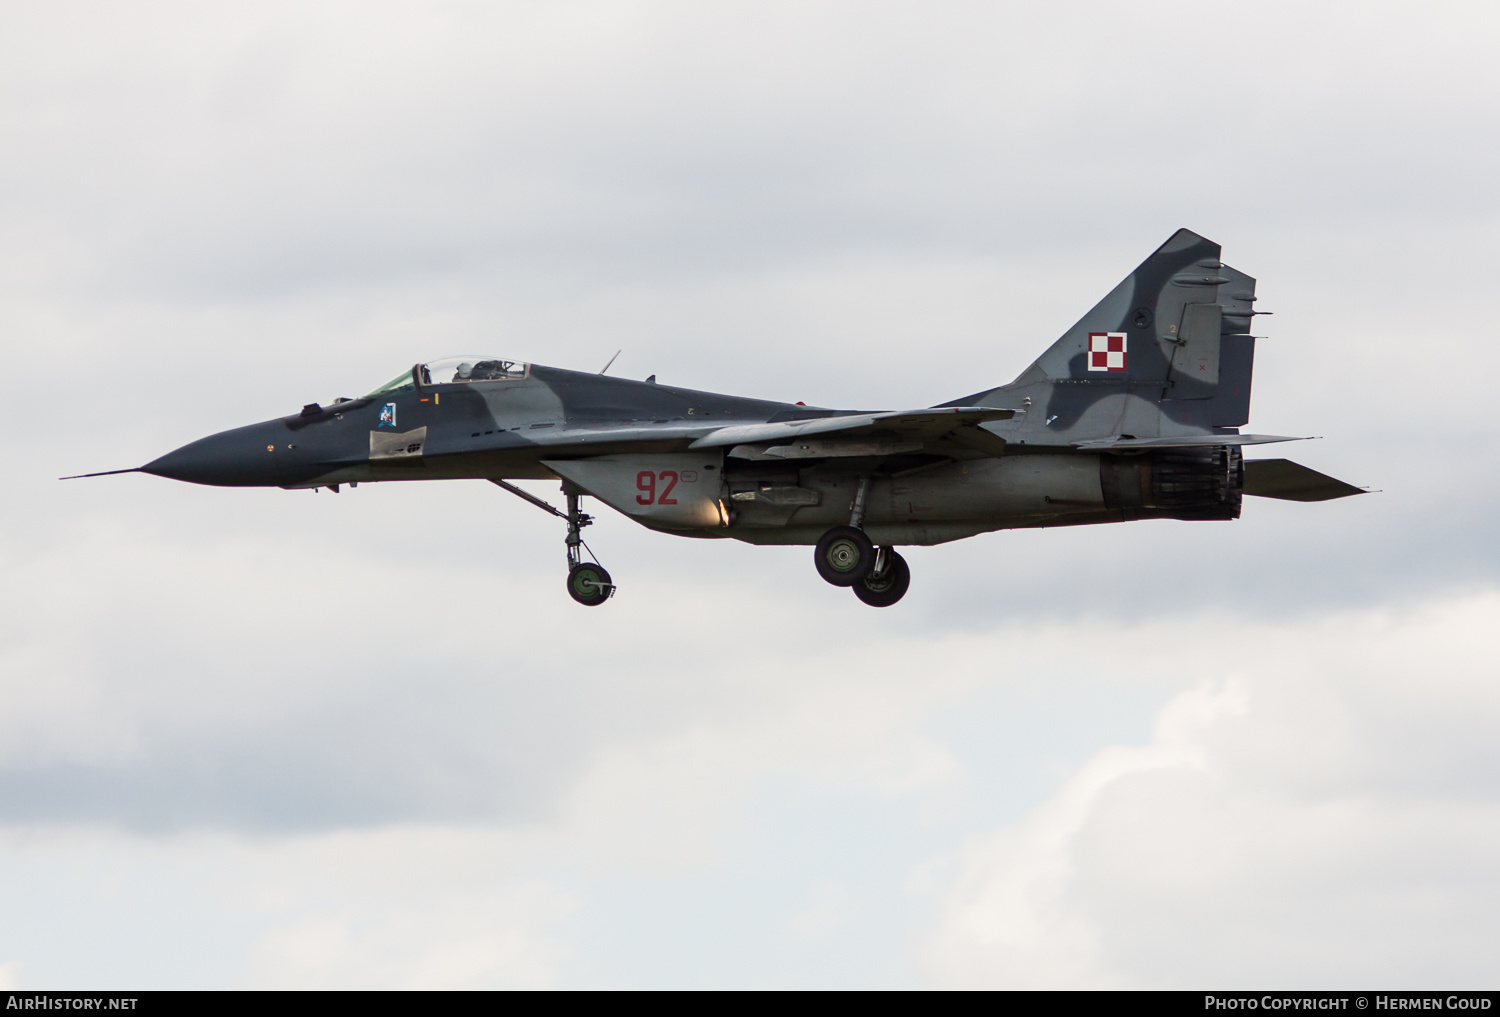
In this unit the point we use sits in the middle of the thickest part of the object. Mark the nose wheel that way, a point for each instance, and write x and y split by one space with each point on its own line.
589 584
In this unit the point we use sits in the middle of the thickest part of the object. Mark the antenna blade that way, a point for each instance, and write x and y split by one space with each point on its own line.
612 360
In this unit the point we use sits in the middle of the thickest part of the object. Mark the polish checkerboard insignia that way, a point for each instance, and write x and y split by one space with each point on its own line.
1106 351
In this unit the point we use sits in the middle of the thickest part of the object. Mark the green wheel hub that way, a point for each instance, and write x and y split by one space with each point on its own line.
843 555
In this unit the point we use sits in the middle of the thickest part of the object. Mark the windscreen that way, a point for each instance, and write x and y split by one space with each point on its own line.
400 383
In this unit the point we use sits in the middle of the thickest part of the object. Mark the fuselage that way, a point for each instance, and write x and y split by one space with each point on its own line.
606 434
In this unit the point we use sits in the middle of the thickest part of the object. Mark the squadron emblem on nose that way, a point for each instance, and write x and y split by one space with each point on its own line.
388 415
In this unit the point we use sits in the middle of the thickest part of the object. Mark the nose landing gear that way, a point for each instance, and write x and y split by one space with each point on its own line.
588 582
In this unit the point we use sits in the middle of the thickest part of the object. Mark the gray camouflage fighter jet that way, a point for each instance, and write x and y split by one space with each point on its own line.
1132 414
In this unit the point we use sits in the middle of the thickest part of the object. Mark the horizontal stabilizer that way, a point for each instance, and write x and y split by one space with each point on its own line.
1289 481
913 425
1187 441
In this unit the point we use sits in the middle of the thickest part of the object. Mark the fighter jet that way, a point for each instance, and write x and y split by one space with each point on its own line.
1133 414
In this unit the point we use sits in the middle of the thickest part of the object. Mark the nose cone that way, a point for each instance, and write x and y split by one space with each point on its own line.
261 455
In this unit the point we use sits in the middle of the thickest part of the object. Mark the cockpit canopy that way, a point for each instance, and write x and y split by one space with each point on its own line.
456 371
464 370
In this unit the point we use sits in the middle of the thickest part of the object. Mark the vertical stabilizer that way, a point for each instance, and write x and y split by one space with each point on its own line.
1167 352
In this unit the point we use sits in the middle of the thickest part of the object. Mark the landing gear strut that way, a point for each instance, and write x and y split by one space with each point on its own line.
588 583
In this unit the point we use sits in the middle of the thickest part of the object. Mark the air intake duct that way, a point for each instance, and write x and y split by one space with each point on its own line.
1180 484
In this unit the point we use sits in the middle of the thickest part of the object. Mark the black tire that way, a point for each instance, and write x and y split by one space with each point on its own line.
890 586
844 556
589 584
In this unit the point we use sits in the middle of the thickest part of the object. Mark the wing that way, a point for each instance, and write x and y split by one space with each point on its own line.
860 434
857 434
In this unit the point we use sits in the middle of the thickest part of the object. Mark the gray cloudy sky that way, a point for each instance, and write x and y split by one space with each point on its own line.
267 738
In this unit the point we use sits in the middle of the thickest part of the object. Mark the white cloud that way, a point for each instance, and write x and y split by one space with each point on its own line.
826 911
271 738
409 909
1319 812
1318 806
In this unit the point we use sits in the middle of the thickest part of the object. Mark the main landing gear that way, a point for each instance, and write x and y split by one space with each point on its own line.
588 583
846 557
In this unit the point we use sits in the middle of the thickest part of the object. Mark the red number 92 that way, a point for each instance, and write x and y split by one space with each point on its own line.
645 482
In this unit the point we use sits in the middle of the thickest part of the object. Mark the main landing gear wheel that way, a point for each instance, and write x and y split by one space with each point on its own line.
884 588
589 584
844 556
